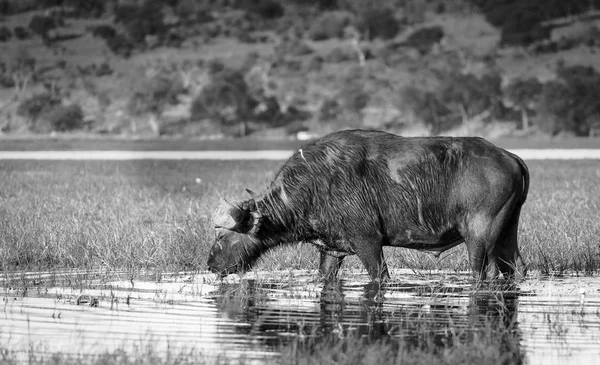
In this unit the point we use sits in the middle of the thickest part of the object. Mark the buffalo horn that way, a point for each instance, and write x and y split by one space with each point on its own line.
223 217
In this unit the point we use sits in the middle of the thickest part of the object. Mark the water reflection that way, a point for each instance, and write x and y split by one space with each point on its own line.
546 320
419 314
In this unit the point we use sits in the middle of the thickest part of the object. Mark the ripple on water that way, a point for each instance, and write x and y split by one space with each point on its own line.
557 319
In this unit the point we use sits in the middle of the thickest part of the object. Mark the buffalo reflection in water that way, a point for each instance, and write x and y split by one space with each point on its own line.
421 316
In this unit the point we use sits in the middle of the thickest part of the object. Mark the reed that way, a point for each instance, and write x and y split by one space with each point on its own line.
140 216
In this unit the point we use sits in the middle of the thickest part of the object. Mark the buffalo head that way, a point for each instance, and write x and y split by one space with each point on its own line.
236 247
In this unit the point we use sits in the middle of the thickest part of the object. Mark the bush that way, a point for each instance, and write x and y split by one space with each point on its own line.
570 104
103 69
458 98
125 13
470 95
516 33
429 109
61 119
116 42
33 107
521 21
41 25
104 31
423 39
354 97
143 20
524 95
330 110
330 24
120 45
226 99
378 23
5 34
21 33
320 4
152 95
266 9
339 54
553 108
87 8
293 48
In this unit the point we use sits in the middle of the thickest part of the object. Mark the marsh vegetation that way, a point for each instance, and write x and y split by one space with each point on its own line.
155 216
135 236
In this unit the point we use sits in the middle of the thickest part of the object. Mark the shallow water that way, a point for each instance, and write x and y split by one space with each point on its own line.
555 320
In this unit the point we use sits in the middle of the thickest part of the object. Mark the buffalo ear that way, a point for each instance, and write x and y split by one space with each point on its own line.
232 217
252 194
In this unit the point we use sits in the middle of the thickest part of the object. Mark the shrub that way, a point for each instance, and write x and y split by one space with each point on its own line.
320 4
429 109
423 39
143 20
41 25
215 66
521 21
34 106
120 45
471 95
125 13
5 34
330 24
570 104
339 54
266 9
104 31
21 33
116 42
553 108
378 23
6 78
293 48
62 118
524 94
152 95
330 110
87 8
226 99
516 33
103 69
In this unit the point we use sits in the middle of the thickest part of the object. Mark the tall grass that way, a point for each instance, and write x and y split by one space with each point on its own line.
155 216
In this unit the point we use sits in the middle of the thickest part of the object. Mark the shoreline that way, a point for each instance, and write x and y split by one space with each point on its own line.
128 155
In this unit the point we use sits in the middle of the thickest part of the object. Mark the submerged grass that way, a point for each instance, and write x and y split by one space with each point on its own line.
155 216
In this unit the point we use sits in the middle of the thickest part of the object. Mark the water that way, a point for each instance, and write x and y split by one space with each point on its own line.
556 320
525 153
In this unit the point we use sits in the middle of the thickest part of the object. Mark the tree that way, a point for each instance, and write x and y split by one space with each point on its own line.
524 95
570 103
429 109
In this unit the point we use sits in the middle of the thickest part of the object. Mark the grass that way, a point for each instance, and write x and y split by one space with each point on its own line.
155 215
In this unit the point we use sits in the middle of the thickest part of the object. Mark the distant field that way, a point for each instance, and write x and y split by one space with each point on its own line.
155 215
72 144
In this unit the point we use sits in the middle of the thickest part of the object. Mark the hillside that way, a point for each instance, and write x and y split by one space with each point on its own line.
214 68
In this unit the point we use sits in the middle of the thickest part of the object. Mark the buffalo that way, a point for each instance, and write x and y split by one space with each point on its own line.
353 192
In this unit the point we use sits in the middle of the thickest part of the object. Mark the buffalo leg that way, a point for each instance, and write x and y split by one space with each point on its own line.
481 237
371 256
477 257
330 264
492 242
510 261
